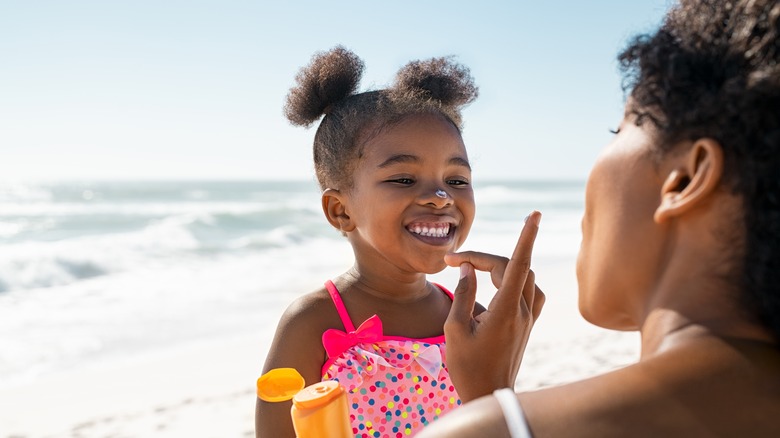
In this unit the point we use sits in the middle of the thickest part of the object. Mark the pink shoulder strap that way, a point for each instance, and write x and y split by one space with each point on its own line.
336 297
445 290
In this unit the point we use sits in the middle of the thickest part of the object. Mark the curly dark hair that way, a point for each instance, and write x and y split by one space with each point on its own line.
712 70
328 85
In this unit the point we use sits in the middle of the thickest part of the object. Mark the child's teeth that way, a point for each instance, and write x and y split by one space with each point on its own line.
430 231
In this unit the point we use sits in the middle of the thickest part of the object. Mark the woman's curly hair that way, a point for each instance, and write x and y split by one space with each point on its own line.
328 85
713 70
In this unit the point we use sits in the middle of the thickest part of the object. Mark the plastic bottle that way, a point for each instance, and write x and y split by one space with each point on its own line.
318 410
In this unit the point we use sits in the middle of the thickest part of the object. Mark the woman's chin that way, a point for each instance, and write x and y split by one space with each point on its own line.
607 319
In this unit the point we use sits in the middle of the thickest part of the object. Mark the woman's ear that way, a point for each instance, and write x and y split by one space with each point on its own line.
697 176
335 209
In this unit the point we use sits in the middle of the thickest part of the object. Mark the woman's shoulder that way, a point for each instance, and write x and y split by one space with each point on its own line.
713 389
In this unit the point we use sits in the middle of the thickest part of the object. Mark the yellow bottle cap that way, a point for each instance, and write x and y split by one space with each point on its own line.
279 384
318 394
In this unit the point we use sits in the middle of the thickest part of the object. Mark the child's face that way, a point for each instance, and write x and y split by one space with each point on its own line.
394 196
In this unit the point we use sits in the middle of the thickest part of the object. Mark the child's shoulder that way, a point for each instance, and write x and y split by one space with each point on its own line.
298 339
316 308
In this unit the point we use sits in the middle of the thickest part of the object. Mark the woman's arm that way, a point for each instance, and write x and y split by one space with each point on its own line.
478 419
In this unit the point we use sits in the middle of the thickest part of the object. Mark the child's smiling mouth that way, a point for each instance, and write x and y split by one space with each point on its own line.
437 232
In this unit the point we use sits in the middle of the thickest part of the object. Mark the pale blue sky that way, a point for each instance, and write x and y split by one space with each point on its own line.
194 89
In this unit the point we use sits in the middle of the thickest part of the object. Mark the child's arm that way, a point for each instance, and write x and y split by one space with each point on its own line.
297 344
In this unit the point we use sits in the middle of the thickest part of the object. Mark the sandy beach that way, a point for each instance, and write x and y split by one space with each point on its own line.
208 390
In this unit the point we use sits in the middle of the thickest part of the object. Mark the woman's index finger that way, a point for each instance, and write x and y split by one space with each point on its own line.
511 291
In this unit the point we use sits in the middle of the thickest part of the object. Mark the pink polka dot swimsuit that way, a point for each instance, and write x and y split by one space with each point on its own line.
395 385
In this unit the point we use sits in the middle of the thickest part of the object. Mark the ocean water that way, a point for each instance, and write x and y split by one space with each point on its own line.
105 270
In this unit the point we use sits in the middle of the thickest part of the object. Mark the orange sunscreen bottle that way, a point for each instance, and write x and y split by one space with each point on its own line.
318 410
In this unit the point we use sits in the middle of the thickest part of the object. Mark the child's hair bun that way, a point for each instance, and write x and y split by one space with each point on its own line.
330 77
439 79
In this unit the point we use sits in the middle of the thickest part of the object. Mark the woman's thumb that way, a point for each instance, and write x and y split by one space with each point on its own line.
465 295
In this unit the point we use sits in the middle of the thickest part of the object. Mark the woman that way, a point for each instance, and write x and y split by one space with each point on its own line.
681 241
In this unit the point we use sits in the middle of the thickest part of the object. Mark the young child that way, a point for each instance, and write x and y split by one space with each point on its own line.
396 181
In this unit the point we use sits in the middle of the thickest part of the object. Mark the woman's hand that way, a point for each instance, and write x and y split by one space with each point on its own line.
484 351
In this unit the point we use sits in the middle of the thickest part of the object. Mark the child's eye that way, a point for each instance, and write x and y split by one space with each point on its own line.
402 181
457 182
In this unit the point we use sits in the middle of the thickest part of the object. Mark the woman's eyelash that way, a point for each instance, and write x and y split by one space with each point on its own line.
615 131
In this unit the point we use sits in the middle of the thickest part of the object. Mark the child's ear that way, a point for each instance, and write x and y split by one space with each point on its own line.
693 180
335 209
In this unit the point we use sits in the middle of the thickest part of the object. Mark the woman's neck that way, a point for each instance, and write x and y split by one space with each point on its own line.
672 325
692 295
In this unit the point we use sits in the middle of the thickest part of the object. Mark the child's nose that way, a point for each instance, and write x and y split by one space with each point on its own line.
436 197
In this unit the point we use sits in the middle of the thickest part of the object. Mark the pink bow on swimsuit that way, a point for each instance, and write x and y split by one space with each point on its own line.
337 341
